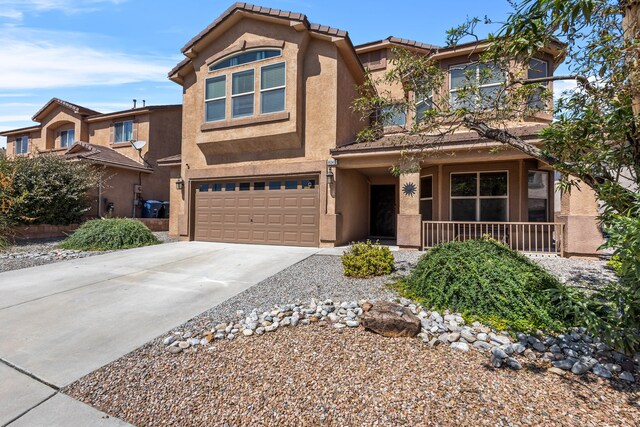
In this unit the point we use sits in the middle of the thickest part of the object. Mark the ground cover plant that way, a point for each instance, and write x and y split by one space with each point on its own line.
367 260
486 281
110 234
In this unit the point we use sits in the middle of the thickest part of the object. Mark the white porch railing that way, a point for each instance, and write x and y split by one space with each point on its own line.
530 237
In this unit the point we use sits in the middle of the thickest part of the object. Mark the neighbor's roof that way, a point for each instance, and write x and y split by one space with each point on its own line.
403 141
19 130
264 11
104 156
78 109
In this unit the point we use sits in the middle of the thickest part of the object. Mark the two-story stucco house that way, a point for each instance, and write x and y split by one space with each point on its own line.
104 140
269 153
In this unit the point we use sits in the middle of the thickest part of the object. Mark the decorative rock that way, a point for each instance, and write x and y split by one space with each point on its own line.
461 346
557 371
453 337
204 341
627 376
259 331
173 349
169 340
230 337
612 367
468 336
247 332
482 336
353 323
565 364
339 325
530 354
538 346
519 348
601 371
184 345
580 368
513 364
499 353
193 341
391 320
482 345
555 349
500 339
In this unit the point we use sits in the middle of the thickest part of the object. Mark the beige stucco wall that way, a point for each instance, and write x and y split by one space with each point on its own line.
352 204
579 212
317 106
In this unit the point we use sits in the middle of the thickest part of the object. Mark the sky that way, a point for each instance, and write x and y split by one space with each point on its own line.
101 54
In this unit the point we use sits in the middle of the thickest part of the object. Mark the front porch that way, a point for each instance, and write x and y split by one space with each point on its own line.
511 200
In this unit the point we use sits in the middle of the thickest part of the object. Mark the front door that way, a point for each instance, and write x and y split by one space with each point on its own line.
383 211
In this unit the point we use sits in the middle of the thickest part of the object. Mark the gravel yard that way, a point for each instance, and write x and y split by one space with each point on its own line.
315 375
319 277
41 252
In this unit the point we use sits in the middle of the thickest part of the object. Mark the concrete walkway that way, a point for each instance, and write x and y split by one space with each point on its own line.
62 321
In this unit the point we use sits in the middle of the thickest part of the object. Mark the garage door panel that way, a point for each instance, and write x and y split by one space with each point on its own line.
269 216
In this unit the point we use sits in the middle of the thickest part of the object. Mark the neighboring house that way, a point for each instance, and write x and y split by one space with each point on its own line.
268 152
104 140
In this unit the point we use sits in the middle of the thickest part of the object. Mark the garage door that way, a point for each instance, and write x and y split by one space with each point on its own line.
274 211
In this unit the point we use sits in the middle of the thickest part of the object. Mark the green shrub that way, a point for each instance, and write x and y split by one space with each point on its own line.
110 234
486 281
45 190
616 265
367 260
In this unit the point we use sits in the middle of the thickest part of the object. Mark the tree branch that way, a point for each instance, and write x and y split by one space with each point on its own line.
584 81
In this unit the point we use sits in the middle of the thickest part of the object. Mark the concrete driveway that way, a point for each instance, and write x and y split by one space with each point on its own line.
59 322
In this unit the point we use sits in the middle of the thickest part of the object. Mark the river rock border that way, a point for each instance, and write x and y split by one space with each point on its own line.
575 352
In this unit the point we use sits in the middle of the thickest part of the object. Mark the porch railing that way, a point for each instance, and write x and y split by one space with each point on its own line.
530 237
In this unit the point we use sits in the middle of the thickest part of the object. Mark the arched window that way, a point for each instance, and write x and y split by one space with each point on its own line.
245 58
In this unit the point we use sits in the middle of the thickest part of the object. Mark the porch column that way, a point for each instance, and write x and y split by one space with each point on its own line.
409 219
579 212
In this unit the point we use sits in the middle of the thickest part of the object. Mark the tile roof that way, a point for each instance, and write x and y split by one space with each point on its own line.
103 155
266 11
78 109
400 141
19 130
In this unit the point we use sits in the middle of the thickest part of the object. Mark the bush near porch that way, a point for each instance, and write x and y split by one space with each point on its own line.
367 260
110 234
486 281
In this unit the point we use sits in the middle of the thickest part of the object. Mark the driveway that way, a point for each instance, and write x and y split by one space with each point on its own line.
62 321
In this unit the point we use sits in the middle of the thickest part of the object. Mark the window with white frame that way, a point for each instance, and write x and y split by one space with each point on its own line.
423 104
486 80
216 98
426 198
393 115
242 91
480 196
537 69
67 138
272 88
22 145
123 131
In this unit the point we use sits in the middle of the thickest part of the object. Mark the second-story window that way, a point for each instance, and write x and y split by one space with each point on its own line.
216 101
242 90
272 87
22 145
67 138
481 85
423 104
123 131
537 69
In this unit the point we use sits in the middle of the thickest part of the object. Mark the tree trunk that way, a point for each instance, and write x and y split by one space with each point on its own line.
631 25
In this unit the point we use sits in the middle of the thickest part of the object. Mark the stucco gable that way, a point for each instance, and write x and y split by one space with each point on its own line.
57 102
292 19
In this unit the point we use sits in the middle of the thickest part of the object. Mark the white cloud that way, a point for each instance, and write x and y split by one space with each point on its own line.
16 9
37 59
15 118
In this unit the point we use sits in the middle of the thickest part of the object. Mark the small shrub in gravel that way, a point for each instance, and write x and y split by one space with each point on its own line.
486 281
110 234
367 260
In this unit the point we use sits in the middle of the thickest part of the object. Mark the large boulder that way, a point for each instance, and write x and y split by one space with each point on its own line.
390 320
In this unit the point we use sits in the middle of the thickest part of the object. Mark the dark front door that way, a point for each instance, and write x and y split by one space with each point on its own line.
383 211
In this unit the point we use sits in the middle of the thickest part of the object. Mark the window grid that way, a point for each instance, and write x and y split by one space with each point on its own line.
260 55
67 138
272 89
22 145
477 197
211 101
236 96
453 90
123 131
